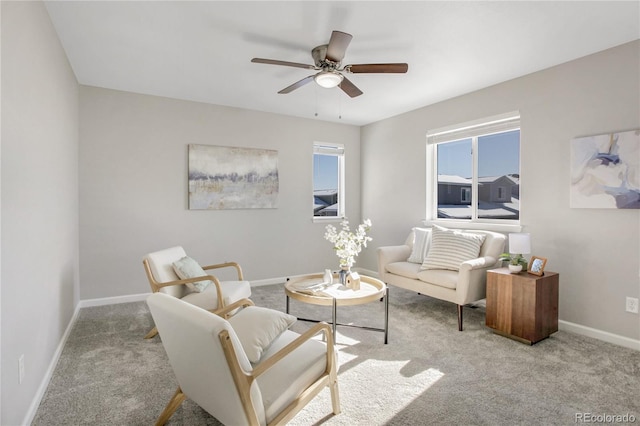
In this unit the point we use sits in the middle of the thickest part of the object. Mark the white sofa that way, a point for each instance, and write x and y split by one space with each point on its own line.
463 286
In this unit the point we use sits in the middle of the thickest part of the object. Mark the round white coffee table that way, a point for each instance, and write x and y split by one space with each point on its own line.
371 289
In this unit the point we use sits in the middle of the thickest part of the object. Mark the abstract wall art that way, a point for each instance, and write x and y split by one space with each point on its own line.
605 171
222 177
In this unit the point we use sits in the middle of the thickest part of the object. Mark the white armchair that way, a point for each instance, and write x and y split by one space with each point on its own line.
159 268
213 369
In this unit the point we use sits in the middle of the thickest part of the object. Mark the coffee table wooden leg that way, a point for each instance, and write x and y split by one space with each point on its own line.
287 303
334 315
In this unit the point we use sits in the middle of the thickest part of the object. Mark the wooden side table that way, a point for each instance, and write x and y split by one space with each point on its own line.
522 306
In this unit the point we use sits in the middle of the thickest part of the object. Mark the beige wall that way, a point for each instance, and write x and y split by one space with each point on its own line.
596 252
133 190
39 201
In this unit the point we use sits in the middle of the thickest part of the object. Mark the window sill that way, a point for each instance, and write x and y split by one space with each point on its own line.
482 226
327 219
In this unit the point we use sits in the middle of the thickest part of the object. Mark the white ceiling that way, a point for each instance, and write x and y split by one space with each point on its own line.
201 51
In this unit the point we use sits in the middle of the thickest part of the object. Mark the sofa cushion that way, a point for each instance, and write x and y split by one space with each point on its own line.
421 242
449 248
440 277
404 269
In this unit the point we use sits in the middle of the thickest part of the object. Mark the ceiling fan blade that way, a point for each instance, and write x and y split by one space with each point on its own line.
377 68
284 63
349 88
296 85
338 45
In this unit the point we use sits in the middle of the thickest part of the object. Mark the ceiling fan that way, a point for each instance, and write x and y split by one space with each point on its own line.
327 59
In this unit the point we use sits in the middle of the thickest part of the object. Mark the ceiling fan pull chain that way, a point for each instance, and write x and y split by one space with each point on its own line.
316 102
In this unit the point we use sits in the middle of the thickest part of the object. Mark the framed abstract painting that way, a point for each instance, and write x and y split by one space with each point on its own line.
223 177
605 171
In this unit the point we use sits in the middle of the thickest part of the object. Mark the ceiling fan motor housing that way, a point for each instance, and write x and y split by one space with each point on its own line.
319 55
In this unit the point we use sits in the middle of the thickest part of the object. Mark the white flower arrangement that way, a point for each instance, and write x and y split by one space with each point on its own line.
346 243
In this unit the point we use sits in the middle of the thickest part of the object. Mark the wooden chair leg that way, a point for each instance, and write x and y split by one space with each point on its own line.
335 397
171 407
152 333
459 317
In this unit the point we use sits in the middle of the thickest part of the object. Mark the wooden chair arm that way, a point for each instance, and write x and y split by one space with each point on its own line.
243 379
211 278
227 265
242 303
189 280
321 327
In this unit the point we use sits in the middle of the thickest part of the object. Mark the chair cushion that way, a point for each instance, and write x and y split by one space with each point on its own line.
449 248
186 268
421 242
404 269
208 299
160 263
285 381
258 327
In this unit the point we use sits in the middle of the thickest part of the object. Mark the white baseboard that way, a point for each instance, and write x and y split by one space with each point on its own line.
269 281
366 272
113 300
599 334
44 384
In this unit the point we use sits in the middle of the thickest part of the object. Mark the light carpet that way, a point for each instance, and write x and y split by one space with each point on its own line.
429 373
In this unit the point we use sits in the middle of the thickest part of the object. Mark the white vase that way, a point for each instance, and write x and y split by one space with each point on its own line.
514 269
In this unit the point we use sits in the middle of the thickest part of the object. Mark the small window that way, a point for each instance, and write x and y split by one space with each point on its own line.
328 180
483 160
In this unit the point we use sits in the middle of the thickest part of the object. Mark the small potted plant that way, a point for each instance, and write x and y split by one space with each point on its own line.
516 262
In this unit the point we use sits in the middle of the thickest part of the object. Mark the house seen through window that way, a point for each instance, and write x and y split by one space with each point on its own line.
476 171
328 180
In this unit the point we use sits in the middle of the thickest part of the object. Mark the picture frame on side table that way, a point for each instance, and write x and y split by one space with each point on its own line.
536 265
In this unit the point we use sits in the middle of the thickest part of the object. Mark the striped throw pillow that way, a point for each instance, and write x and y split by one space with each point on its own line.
450 248
421 241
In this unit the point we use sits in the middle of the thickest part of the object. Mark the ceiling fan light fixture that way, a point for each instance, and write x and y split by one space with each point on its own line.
328 79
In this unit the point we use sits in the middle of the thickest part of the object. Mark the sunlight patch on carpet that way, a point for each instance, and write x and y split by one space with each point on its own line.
397 394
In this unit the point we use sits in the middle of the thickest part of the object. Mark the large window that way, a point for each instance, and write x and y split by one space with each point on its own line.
475 171
328 180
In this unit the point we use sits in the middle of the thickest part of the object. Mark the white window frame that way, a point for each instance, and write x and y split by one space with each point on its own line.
337 149
470 130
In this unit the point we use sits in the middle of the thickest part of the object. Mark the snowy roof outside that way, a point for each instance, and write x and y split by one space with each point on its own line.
453 179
